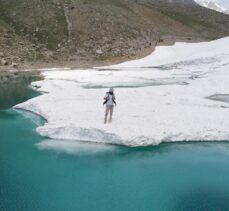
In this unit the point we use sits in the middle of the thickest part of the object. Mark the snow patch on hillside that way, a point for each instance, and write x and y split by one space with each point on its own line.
212 4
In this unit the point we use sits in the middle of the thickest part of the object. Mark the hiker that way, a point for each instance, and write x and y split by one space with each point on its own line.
110 102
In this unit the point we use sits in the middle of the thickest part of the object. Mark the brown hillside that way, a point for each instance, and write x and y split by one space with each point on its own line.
100 30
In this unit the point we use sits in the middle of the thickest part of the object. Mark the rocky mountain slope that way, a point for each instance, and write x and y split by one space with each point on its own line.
87 32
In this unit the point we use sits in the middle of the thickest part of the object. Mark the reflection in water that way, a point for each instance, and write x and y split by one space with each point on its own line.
76 147
7 114
15 91
80 148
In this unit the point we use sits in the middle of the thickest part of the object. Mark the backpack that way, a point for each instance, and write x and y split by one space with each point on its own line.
107 98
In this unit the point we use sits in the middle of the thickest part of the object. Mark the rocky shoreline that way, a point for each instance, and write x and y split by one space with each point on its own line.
9 64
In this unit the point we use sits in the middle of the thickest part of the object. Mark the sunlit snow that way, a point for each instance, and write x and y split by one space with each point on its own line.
170 95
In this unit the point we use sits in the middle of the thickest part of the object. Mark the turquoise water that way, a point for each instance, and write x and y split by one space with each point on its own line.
175 176
178 176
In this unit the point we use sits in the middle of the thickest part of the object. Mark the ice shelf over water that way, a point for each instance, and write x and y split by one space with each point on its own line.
163 97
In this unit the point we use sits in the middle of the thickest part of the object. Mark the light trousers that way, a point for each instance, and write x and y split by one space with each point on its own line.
109 109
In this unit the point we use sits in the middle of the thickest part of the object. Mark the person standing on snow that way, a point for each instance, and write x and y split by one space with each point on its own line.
110 102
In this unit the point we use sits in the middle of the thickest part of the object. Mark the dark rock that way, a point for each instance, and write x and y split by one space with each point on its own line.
14 65
4 62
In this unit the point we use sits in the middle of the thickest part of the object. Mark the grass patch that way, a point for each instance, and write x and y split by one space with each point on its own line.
185 19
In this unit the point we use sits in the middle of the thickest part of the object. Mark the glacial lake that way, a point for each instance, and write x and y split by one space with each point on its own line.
171 176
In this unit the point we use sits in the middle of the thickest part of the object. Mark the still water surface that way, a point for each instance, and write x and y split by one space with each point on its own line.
174 176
